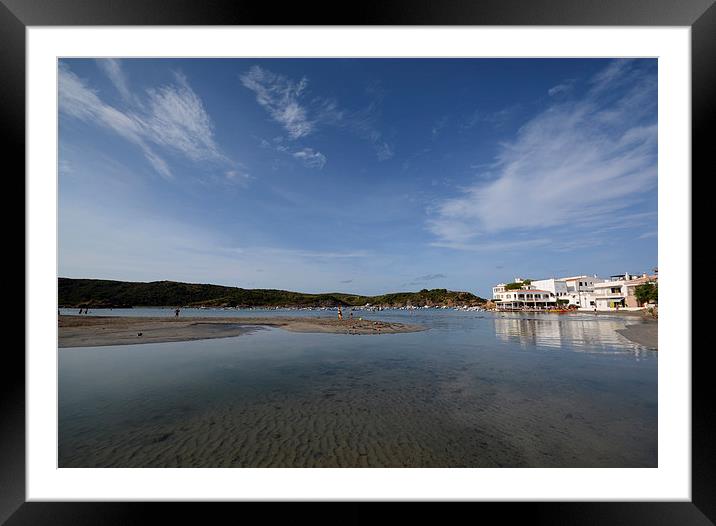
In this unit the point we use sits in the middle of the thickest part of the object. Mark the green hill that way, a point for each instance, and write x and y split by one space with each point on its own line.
106 293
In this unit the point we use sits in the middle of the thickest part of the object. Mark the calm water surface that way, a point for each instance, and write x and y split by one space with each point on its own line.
476 390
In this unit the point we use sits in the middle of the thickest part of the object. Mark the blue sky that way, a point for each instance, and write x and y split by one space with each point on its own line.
356 175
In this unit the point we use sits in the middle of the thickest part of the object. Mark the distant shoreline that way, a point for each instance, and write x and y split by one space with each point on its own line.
97 331
98 293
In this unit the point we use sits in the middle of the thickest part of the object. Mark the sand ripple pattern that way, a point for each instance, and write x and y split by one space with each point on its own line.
367 406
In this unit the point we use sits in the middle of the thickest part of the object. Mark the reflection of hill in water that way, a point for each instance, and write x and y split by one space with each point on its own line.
580 334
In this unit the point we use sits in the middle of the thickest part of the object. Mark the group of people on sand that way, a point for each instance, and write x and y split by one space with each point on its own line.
340 314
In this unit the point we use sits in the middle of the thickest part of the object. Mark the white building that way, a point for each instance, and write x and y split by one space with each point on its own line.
502 287
581 283
524 298
608 295
584 292
619 291
556 286
530 294
497 289
581 290
574 290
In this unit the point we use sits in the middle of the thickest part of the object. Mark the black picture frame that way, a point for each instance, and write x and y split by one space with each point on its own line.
700 15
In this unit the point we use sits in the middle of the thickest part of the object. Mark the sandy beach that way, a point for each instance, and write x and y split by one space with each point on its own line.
646 334
95 331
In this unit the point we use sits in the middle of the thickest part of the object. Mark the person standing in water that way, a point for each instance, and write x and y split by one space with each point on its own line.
176 312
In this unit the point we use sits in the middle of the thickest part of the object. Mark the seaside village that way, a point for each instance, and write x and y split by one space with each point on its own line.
586 293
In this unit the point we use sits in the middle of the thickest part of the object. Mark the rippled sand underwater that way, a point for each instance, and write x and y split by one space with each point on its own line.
474 391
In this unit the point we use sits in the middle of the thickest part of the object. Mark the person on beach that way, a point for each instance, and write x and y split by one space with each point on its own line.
176 312
351 315
80 310
340 313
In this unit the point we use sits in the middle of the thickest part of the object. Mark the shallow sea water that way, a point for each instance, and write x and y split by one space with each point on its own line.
476 390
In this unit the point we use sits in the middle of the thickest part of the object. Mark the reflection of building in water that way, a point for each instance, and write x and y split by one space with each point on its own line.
527 331
571 332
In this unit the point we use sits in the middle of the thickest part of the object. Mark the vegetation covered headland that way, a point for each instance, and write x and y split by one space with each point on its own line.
98 293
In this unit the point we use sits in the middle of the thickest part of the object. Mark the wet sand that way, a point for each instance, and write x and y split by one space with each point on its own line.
466 393
293 407
646 334
97 331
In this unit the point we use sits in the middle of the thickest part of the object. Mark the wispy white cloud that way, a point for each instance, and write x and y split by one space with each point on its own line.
562 88
617 72
288 103
65 168
311 254
421 280
159 164
491 245
308 156
175 119
430 277
116 74
237 177
280 96
497 119
384 151
311 158
145 246
277 143
79 101
364 124
579 162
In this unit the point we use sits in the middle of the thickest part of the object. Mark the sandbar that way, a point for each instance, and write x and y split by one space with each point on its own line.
97 331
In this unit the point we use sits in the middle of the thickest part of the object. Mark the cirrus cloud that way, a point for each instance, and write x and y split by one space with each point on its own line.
174 118
287 102
580 162
280 97
311 158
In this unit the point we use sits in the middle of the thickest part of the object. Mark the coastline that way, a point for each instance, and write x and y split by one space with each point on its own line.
98 331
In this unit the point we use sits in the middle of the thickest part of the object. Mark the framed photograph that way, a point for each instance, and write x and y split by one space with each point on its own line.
412 256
